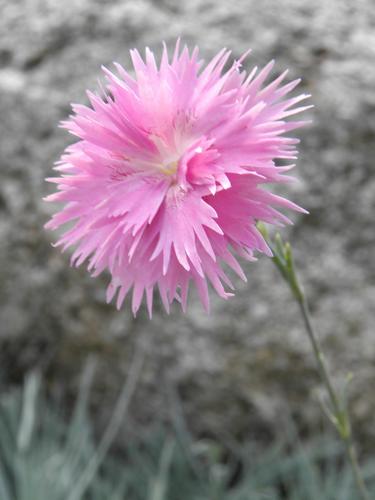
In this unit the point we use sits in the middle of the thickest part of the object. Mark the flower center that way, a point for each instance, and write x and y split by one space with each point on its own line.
170 168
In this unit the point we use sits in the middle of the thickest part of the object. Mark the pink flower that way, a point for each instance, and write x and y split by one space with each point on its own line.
166 181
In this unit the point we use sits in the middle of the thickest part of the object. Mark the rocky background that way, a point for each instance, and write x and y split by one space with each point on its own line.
241 370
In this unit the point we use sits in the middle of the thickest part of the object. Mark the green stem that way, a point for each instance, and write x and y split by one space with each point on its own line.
353 460
340 413
319 356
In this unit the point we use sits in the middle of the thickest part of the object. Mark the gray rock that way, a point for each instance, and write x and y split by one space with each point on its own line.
237 370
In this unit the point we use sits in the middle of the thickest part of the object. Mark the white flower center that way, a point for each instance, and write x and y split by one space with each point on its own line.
170 168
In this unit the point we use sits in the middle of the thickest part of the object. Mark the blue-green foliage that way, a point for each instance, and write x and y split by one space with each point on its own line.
42 458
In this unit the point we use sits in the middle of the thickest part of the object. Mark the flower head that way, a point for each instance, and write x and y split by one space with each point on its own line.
166 181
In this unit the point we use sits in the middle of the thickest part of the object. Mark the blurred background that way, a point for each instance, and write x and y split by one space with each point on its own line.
245 373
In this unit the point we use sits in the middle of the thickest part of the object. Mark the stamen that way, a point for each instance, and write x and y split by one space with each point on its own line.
170 168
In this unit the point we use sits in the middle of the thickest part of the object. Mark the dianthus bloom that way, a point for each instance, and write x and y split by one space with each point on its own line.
166 181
